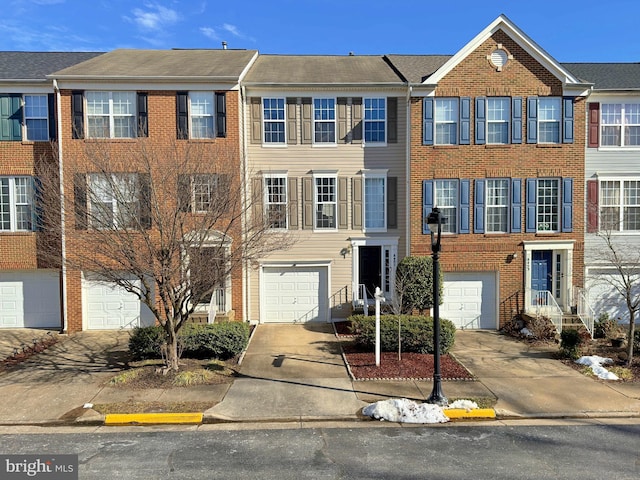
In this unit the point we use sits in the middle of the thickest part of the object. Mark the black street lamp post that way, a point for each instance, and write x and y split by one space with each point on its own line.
435 221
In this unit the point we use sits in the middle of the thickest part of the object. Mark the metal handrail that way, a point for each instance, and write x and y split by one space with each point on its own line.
546 305
585 312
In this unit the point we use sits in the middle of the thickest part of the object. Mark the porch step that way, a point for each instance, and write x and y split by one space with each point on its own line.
573 322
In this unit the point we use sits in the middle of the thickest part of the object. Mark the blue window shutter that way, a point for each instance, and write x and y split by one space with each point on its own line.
481 134
516 205
478 207
465 195
427 203
516 120
532 194
567 120
567 205
465 121
51 105
532 120
427 121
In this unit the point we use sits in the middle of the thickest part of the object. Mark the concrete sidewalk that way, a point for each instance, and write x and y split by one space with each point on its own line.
296 373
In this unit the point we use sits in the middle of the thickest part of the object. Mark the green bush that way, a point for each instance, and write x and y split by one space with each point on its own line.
636 341
570 342
414 283
146 342
416 333
218 340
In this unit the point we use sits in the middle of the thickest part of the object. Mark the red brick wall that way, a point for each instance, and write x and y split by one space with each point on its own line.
162 135
475 76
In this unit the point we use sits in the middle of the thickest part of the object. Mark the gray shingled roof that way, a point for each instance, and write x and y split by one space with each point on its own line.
607 76
37 65
163 64
417 68
321 69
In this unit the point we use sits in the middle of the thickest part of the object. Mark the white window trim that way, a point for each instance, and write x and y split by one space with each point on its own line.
601 125
364 123
334 176
266 202
436 122
374 174
487 206
111 114
335 122
115 201
25 130
213 115
507 121
264 122
620 205
558 204
13 214
457 206
558 121
192 188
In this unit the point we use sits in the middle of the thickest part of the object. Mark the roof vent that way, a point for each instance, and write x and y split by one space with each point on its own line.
224 45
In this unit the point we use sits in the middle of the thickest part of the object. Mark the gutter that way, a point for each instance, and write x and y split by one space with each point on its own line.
407 178
63 240
246 280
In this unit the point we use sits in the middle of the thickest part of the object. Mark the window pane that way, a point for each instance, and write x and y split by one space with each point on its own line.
325 202
97 103
36 117
498 118
374 120
497 205
446 199
202 127
446 121
549 116
325 133
324 115
276 201
374 198
124 127
274 120
5 206
548 208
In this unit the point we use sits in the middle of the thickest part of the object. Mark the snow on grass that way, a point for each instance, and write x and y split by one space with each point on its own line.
596 364
407 411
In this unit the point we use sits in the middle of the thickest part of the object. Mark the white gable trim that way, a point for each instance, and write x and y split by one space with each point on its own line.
570 82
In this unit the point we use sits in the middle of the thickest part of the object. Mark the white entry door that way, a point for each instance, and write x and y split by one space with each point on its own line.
294 294
469 300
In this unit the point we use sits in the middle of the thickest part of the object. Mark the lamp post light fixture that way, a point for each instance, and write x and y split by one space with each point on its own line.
435 221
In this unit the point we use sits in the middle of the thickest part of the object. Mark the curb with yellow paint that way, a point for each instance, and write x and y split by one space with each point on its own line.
152 418
461 413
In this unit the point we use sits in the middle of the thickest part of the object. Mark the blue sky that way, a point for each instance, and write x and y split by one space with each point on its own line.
569 30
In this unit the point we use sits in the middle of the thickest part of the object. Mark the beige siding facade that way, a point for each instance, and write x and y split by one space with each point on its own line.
339 250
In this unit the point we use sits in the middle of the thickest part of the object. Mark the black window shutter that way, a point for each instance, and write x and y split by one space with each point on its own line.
184 193
52 116
143 115
77 114
80 200
144 180
182 113
221 114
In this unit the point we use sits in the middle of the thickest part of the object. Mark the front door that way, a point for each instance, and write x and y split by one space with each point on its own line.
370 268
542 270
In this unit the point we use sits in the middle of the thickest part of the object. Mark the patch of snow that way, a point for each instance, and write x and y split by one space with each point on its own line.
596 364
405 411
467 405
526 332
88 405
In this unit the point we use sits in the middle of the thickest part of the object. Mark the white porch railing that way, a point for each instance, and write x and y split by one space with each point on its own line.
218 303
544 304
585 312
361 299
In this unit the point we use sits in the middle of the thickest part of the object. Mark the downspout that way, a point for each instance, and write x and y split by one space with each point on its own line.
407 177
246 281
63 240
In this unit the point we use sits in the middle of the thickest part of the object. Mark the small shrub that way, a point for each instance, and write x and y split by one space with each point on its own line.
146 342
416 333
636 340
604 327
570 342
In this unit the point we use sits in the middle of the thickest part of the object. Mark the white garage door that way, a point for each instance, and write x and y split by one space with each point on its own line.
30 299
469 300
604 298
294 294
107 306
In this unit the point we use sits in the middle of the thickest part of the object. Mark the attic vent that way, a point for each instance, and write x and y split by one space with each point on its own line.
499 57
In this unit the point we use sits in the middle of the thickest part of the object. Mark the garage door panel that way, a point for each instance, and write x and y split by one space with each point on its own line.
30 299
294 294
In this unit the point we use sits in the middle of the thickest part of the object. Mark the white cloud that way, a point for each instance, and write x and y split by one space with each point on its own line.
209 33
154 18
232 29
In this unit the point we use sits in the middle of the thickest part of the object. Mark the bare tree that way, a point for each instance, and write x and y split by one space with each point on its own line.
167 224
620 262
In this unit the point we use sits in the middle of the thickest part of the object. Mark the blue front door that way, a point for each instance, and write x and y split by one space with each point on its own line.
541 270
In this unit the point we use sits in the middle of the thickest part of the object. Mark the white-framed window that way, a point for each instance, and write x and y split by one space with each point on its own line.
446 199
111 114
204 188
375 201
114 200
497 205
620 124
16 204
375 120
549 118
36 117
620 205
274 120
324 120
498 120
325 202
275 201
446 117
548 205
201 114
